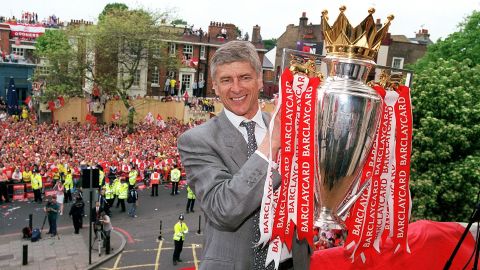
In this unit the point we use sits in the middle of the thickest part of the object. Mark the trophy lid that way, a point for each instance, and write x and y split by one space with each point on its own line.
361 42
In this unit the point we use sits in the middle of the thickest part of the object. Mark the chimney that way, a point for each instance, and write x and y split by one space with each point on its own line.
378 24
256 37
303 20
422 35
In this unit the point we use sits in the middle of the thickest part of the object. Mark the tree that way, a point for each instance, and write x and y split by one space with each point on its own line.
64 70
446 138
126 40
270 43
459 45
179 22
111 54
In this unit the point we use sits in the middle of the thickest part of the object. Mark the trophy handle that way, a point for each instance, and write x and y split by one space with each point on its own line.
343 210
289 56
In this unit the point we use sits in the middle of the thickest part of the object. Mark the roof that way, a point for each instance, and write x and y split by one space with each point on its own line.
267 64
400 38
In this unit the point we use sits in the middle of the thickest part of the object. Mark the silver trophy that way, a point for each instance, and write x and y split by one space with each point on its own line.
347 120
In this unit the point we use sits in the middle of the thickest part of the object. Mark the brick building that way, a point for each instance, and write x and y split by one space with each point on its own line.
195 48
306 37
398 50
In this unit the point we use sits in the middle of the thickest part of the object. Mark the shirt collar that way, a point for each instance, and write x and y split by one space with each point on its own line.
236 120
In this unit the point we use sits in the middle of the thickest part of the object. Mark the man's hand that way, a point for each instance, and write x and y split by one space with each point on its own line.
276 137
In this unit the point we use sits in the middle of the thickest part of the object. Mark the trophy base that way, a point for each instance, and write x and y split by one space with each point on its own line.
331 231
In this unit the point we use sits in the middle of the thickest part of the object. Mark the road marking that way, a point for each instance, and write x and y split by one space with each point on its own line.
195 261
115 266
134 266
158 254
130 239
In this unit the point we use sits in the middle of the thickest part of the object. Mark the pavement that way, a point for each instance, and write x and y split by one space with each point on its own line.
64 251
135 241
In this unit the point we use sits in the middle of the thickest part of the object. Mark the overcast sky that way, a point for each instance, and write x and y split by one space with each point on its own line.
440 17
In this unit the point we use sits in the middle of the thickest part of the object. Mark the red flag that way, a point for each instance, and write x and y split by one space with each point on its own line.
51 106
90 118
56 104
194 62
61 101
29 102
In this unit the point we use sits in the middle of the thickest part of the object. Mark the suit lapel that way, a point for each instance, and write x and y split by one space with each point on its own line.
233 140
236 146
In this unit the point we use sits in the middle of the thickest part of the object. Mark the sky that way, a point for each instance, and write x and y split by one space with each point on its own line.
441 18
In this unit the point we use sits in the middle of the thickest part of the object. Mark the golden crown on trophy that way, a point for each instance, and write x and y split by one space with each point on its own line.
361 42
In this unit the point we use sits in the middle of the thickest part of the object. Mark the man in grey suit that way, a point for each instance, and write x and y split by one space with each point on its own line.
223 169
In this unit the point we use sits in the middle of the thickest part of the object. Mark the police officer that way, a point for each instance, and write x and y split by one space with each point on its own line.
175 178
132 178
179 231
37 186
123 194
68 186
190 200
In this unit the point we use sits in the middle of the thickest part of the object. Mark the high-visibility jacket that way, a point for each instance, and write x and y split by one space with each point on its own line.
109 193
179 231
61 168
116 186
155 178
68 182
123 191
101 177
132 177
175 175
27 176
36 181
190 194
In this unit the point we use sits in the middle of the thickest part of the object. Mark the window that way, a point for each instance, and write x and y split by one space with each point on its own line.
136 78
18 51
397 62
186 81
172 49
155 76
171 74
156 51
42 70
202 52
200 76
188 51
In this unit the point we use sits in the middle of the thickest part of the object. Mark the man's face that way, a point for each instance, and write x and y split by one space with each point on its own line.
238 86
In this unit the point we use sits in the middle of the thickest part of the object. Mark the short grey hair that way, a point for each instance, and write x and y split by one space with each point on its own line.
236 51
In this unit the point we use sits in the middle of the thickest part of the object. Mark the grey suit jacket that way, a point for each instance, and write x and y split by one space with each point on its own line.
229 188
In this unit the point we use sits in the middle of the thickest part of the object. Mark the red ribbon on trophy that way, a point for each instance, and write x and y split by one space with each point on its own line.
294 208
383 208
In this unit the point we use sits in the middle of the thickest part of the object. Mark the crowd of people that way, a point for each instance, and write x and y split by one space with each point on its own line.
57 150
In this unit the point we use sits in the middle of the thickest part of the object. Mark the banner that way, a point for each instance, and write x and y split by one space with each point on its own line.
56 104
25 31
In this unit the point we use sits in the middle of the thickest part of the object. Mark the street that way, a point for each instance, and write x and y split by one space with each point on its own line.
143 249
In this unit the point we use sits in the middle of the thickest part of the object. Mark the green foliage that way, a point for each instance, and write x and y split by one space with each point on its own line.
112 7
179 22
460 45
446 138
270 43
446 143
64 75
